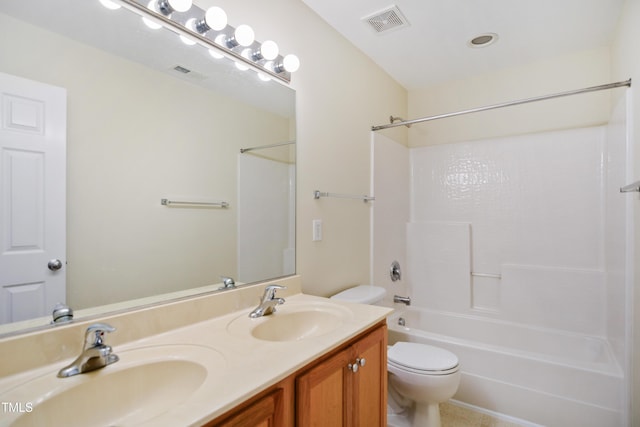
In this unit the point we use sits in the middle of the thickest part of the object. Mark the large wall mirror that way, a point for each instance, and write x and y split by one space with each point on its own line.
151 118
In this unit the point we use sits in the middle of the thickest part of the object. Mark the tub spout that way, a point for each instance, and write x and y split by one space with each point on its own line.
403 300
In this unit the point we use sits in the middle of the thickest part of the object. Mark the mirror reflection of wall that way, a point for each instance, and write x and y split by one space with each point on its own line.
136 135
266 184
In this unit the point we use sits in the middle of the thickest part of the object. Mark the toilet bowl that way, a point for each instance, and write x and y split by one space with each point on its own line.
424 374
420 376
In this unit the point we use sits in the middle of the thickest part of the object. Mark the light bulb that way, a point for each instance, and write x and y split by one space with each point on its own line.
187 40
241 66
221 39
215 18
215 54
110 5
180 5
246 53
190 24
244 35
148 22
291 63
269 50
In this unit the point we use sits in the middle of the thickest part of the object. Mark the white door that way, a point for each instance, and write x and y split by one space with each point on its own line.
33 128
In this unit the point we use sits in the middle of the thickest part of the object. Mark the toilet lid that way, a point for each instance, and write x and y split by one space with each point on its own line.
421 357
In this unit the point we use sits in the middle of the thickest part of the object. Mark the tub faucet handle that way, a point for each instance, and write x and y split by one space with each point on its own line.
395 272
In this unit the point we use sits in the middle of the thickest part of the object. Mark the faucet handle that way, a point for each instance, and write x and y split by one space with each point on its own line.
93 335
270 291
227 282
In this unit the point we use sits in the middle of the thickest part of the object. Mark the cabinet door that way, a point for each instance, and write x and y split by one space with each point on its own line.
370 381
323 393
265 412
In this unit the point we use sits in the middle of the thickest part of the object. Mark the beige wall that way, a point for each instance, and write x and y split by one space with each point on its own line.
625 64
576 71
340 94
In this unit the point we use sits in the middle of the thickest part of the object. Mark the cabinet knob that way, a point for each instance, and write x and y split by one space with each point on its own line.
353 367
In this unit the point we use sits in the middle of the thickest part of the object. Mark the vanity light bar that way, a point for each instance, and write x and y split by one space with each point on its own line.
234 43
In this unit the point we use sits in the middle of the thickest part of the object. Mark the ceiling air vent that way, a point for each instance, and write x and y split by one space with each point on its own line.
386 20
186 73
181 69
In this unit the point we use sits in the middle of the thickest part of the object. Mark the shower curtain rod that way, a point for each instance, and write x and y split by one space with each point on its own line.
504 104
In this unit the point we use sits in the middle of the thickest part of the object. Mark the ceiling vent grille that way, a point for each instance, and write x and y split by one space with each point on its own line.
387 19
186 73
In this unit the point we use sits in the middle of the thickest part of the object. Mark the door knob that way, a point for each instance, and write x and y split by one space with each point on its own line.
54 265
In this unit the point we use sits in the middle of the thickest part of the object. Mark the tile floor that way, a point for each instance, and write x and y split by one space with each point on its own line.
457 416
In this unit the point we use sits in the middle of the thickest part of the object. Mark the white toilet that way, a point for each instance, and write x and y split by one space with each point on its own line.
420 376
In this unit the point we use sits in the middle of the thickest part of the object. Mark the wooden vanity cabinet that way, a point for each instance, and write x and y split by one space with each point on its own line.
273 407
347 387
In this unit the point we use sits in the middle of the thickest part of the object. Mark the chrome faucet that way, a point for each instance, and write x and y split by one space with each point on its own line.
404 300
227 282
268 302
95 353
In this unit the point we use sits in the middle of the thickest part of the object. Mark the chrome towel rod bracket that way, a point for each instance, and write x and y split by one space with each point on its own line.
634 187
318 194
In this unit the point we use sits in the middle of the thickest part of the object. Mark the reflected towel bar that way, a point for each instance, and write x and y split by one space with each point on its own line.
167 202
244 150
631 187
491 275
317 194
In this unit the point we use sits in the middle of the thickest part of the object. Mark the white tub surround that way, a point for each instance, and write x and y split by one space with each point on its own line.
243 365
522 243
516 228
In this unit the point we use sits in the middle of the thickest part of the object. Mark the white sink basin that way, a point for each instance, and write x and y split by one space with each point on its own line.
292 322
146 383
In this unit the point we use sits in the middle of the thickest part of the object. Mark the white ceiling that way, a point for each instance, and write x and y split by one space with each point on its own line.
433 48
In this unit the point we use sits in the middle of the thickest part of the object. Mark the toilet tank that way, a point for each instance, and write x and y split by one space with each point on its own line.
362 294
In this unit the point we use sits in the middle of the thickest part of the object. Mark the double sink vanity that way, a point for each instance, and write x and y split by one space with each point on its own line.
205 361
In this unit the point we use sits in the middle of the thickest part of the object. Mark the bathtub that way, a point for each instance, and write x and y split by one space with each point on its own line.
543 376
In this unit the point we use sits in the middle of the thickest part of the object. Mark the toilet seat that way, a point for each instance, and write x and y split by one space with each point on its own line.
422 359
